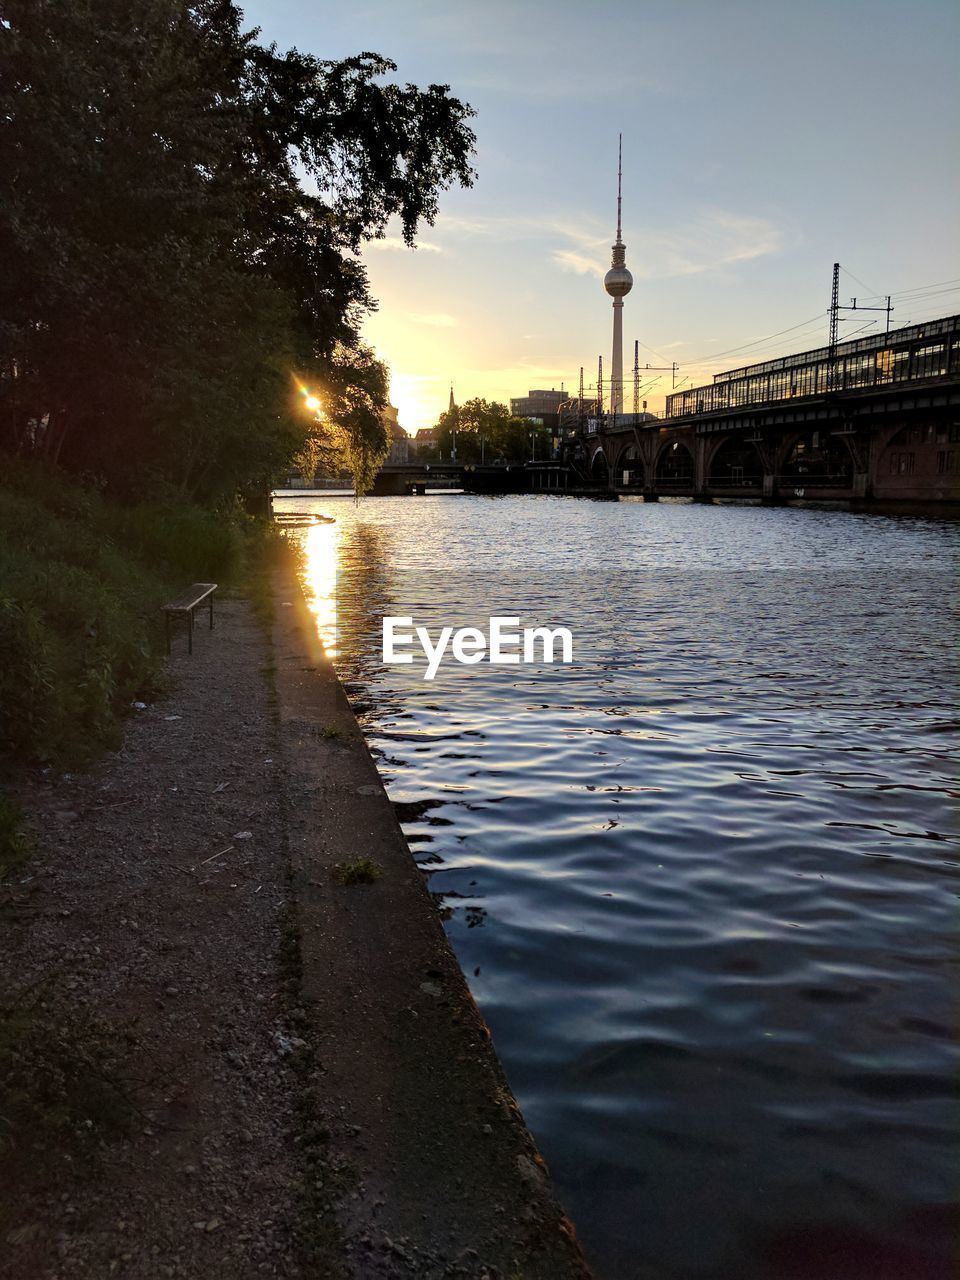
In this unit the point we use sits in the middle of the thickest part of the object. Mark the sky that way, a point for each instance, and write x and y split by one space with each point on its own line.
763 140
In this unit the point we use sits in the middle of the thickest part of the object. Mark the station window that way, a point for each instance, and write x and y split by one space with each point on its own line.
858 371
902 464
884 366
929 361
946 462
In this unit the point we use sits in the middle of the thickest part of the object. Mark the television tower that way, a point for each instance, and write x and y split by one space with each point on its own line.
618 282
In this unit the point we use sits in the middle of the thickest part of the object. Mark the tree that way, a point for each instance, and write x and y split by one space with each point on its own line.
167 269
485 430
357 397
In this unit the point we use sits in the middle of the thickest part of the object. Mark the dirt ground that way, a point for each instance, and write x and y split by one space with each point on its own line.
281 1076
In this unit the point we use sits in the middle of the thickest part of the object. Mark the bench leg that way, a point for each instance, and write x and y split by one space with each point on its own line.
189 631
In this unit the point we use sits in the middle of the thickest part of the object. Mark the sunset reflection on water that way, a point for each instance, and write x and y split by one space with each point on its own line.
321 546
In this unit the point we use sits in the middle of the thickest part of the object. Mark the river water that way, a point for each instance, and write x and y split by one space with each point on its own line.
703 881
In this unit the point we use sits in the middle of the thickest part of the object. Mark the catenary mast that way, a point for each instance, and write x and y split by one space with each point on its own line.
618 282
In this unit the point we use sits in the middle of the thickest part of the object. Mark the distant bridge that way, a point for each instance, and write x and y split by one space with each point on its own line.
414 477
417 477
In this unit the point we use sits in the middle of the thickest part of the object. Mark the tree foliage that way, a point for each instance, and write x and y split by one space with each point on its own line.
486 431
180 221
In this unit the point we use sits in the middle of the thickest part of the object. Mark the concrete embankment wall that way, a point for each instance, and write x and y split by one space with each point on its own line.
446 1170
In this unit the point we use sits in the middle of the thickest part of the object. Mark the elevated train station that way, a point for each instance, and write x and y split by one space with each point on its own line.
874 418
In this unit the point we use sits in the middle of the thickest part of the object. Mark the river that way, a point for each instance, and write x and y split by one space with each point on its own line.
703 880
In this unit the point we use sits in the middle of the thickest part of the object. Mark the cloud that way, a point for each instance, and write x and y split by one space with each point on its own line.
714 239
436 319
581 263
482 224
397 244
579 246
710 241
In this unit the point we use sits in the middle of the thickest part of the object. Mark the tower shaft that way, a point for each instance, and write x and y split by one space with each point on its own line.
616 365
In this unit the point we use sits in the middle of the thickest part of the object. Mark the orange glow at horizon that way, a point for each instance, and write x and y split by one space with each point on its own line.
411 396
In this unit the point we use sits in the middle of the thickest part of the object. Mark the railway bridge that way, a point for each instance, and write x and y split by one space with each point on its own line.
872 419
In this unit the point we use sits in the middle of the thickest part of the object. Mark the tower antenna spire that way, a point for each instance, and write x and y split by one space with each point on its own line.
619 184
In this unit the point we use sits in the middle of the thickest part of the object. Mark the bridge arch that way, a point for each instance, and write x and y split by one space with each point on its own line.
735 464
675 466
817 458
629 470
599 471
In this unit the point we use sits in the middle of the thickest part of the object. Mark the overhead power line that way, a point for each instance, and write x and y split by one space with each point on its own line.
716 355
920 288
912 303
863 284
803 341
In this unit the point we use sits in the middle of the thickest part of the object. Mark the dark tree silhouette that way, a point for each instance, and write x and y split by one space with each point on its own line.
180 217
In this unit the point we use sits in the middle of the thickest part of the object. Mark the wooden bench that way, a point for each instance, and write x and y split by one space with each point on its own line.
184 605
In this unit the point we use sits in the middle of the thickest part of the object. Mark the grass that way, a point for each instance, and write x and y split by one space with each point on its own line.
359 871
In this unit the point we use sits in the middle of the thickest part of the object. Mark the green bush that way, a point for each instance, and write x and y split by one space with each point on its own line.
185 541
26 676
82 581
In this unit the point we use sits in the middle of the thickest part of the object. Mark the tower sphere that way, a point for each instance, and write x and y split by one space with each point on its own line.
618 282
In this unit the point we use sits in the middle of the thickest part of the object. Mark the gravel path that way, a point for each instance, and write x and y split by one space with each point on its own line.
156 903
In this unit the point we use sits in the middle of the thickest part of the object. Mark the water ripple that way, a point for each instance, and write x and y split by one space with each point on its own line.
703 881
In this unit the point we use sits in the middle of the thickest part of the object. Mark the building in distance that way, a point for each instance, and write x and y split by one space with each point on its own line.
399 453
541 407
426 444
